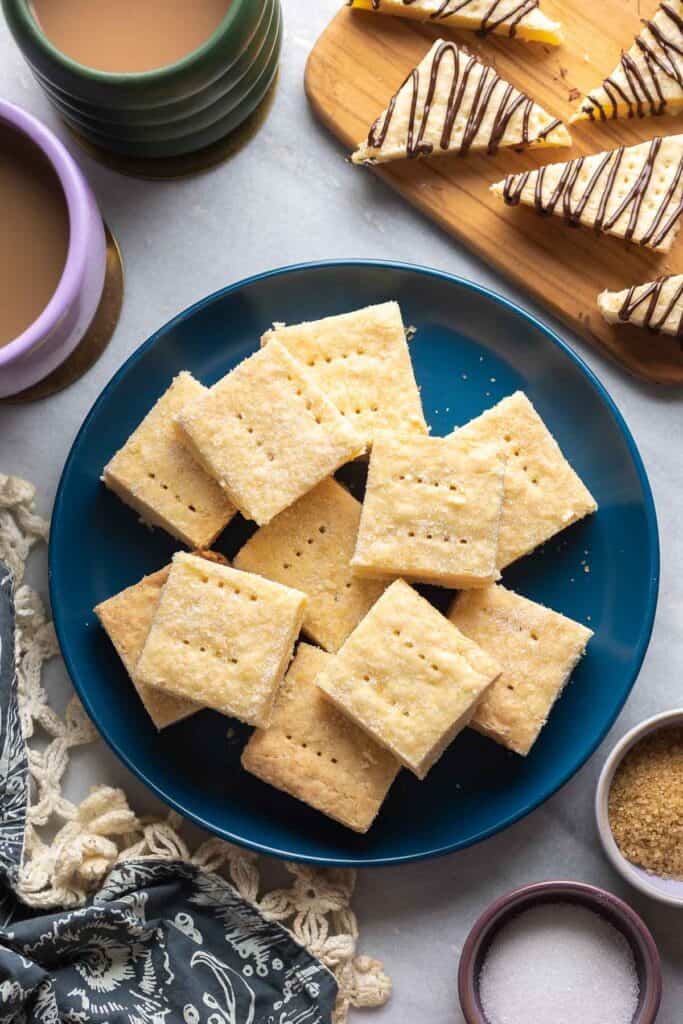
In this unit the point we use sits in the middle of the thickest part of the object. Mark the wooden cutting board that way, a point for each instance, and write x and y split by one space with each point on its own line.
362 58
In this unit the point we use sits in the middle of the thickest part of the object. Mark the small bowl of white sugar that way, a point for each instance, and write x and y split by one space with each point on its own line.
560 953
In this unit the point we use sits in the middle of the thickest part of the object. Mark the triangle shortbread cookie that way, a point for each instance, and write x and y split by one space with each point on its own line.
633 192
649 77
452 103
656 305
521 18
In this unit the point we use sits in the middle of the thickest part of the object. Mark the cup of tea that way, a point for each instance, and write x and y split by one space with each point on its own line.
148 79
52 250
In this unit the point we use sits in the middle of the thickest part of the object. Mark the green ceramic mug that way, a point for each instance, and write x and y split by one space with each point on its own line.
170 111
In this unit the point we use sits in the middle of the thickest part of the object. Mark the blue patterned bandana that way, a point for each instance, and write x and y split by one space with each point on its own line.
163 942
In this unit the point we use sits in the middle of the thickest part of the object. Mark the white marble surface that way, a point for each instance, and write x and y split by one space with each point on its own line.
289 196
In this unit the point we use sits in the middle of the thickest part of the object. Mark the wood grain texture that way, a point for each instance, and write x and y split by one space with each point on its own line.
362 58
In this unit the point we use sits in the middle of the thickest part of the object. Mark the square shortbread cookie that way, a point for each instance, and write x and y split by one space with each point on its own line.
126 618
309 546
222 638
431 511
408 677
543 494
267 433
537 649
155 474
316 754
362 363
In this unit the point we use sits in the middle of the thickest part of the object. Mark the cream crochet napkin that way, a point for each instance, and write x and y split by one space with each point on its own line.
69 848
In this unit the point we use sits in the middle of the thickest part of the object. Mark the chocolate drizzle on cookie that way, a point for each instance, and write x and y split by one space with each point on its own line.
506 106
643 94
654 318
574 193
499 12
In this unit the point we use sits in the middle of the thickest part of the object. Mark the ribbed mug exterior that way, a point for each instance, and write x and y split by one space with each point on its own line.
53 336
167 112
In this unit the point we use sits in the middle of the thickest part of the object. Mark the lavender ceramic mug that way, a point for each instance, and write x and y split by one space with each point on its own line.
53 336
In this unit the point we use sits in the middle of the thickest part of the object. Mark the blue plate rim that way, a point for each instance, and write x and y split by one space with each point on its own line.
650 515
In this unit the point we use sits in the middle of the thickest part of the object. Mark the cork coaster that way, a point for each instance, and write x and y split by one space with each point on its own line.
93 342
168 168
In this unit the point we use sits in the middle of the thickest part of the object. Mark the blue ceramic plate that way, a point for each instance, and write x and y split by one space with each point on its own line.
471 349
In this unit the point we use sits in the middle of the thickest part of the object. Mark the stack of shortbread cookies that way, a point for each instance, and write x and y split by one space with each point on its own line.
386 681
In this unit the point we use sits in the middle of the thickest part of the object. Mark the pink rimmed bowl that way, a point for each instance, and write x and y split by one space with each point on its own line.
608 906
53 336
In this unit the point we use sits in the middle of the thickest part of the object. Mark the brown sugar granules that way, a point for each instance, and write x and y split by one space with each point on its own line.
646 803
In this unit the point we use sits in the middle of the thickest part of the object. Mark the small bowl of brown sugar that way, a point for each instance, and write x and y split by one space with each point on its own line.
639 807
